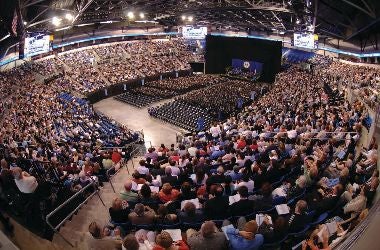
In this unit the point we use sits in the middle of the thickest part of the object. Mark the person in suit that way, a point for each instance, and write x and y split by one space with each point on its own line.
190 214
207 238
168 177
119 211
243 206
329 200
216 178
298 220
217 207
142 215
265 200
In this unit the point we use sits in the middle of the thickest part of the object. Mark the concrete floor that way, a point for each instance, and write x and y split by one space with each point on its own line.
155 131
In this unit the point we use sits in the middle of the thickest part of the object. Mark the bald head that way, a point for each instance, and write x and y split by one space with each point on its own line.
128 185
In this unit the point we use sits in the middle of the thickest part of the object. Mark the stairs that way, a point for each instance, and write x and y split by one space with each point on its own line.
76 229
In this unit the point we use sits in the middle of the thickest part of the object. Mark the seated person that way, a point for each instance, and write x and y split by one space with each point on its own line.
103 238
243 206
146 194
265 200
190 214
167 193
130 242
247 182
186 192
119 211
245 237
164 241
217 207
208 237
26 183
275 232
142 215
298 220
216 178
168 177
127 194
164 217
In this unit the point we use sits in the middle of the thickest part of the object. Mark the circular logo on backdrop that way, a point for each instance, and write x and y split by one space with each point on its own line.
246 64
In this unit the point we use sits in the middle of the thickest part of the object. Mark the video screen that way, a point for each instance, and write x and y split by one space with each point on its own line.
35 45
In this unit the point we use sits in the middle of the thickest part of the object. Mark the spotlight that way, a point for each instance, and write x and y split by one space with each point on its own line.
298 21
131 15
56 21
25 23
183 17
69 17
142 15
190 19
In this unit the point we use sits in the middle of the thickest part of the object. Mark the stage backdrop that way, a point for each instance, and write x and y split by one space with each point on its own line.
221 50
250 66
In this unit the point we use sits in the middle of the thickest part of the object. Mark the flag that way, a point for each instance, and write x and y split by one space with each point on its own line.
14 24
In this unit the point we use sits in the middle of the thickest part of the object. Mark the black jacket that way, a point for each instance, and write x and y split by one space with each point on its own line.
217 208
242 207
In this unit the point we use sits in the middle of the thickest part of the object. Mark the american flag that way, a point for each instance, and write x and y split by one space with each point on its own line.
14 24
17 26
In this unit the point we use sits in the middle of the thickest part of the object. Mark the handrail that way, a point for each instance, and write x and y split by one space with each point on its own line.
109 176
55 228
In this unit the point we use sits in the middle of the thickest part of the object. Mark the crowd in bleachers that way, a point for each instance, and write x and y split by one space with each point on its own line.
283 170
97 67
46 141
295 145
363 80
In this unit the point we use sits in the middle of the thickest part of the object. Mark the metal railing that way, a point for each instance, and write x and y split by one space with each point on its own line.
110 176
60 207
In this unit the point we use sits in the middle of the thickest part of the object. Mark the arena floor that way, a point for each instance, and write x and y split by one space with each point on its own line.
155 131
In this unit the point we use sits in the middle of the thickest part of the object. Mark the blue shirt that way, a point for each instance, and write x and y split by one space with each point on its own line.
239 243
216 154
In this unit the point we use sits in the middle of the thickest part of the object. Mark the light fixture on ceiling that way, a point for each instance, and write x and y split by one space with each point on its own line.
69 17
183 17
142 15
190 18
131 15
56 21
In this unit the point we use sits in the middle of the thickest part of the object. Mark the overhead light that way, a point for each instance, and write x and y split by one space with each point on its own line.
298 21
69 17
25 23
142 15
64 28
282 32
190 18
107 22
131 15
183 18
85 24
56 21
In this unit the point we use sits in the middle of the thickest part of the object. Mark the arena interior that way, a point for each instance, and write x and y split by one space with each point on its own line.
224 124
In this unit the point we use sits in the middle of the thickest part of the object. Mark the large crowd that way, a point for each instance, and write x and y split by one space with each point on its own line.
286 171
284 168
46 140
363 80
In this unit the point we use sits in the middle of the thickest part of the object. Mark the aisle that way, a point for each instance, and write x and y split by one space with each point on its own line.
155 131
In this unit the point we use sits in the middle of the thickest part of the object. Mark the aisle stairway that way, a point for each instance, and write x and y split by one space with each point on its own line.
76 229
